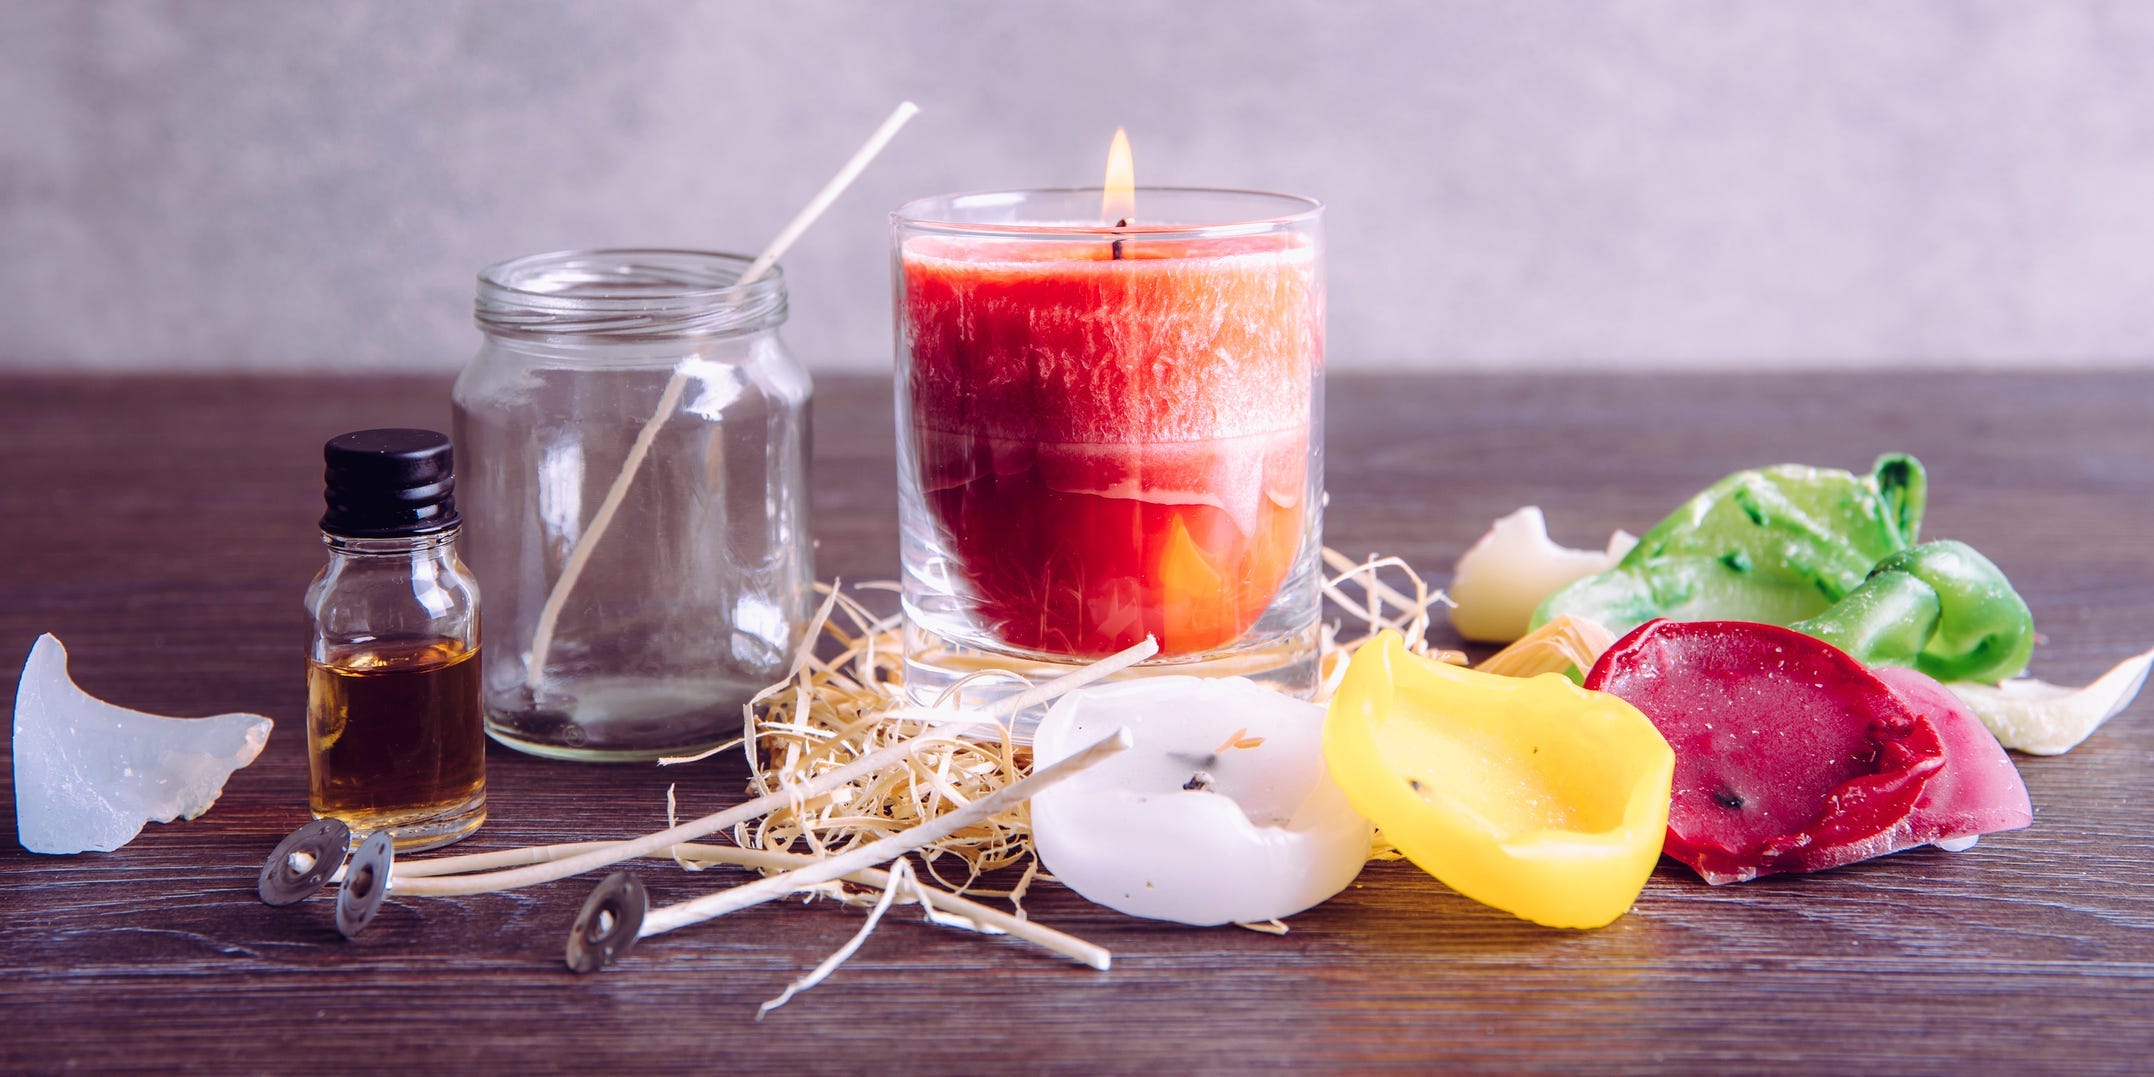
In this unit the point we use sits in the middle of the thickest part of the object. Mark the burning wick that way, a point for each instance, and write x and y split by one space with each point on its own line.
1118 191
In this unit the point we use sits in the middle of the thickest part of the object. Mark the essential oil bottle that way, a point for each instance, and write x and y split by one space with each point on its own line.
395 733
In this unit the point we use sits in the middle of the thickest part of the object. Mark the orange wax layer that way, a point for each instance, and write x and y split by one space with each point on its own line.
1115 447
1085 549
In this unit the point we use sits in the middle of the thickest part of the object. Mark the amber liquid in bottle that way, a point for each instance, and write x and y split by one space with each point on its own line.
395 739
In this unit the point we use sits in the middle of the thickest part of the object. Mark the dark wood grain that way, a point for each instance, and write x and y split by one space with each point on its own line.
164 529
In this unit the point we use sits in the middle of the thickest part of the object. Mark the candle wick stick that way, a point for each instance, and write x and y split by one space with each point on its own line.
712 906
534 872
1117 246
669 398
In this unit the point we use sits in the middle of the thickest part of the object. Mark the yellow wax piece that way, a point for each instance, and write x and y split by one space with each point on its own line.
1533 795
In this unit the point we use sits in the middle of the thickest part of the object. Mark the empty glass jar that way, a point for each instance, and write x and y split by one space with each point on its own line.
632 442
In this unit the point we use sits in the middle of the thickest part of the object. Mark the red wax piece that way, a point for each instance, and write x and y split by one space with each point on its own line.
1114 447
1790 756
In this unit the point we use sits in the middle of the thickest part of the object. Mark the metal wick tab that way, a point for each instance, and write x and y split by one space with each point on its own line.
609 924
304 862
365 884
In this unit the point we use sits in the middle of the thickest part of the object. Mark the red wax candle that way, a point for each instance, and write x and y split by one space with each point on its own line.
1114 446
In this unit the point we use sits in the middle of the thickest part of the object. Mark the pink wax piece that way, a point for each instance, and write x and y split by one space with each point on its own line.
1978 791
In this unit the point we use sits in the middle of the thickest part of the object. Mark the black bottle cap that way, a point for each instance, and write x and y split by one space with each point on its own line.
389 484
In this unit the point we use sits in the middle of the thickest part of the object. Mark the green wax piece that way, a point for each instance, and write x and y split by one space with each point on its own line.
1775 544
1940 607
1827 553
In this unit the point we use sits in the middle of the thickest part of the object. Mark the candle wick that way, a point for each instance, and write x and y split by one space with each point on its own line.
1198 782
1117 247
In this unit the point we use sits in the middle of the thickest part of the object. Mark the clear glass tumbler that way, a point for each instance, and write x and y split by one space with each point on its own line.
1110 426
631 618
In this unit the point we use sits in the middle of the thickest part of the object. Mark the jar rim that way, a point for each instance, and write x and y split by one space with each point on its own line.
627 293
971 213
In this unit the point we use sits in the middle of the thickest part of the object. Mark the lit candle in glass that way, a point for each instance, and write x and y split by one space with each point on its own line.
1110 404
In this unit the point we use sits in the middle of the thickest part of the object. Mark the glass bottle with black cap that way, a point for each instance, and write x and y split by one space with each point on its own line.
395 734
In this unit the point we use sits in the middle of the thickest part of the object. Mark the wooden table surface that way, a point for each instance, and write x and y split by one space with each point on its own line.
163 528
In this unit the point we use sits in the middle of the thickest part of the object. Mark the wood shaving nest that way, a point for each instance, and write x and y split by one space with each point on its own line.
844 698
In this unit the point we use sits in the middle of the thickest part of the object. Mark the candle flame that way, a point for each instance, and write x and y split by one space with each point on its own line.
1119 203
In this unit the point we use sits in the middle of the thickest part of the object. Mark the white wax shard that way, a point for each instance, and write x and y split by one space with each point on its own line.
89 774
1222 812
2047 719
1506 575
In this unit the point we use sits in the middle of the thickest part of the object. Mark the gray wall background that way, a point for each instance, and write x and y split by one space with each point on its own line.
1649 184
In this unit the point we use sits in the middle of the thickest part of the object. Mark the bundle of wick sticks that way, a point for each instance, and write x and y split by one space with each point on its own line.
315 855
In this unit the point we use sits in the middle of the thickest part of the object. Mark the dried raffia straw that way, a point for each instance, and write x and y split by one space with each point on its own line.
884 758
840 708
1554 647
1409 616
669 398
